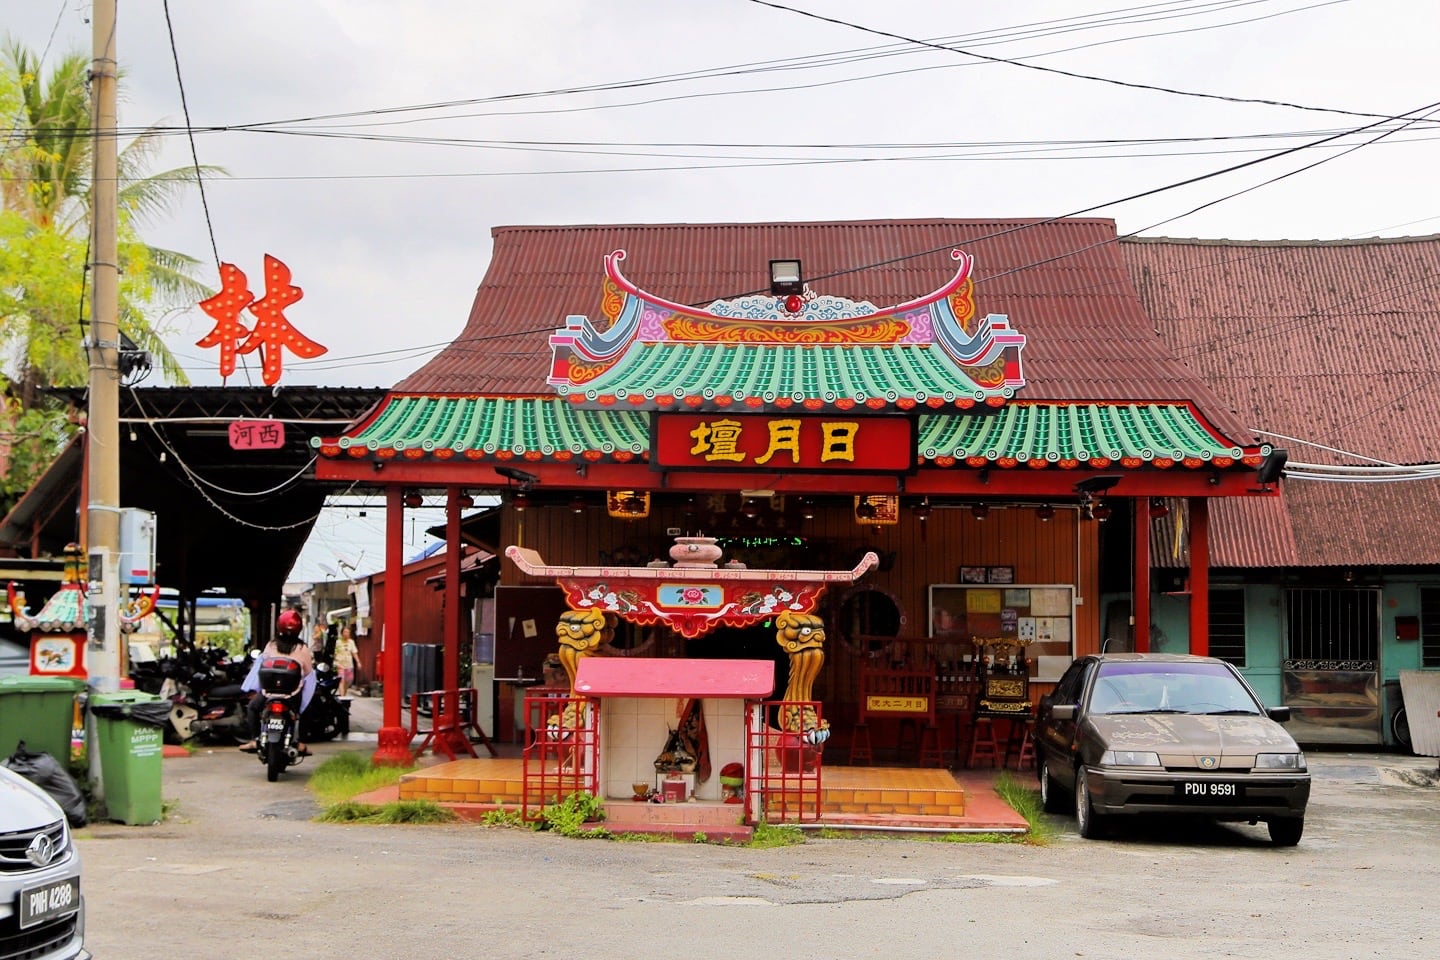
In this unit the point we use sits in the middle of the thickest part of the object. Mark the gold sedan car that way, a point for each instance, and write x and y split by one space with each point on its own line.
1166 733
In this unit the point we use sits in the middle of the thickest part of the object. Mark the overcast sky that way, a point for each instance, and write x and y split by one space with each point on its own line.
383 211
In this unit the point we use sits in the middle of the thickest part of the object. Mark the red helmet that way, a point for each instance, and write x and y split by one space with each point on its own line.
288 623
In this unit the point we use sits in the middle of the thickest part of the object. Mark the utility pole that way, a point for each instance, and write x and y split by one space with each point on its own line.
102 425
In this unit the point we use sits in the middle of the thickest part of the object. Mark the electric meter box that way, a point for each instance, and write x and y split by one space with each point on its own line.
137 546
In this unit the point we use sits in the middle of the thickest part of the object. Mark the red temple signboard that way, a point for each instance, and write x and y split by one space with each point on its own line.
747 441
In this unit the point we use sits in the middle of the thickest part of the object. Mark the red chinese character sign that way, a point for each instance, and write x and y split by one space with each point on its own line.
257 435
711 441
272 333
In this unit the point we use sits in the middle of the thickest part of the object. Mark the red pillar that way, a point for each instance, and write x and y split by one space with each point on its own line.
1140 608
449 725
1200 576
394 739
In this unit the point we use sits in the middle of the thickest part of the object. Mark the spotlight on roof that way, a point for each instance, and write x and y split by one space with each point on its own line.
785 278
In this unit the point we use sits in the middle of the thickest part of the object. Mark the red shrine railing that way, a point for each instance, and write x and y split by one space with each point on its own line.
782 783
562 755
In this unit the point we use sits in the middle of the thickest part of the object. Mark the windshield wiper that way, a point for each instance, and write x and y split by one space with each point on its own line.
1237 712
1128 713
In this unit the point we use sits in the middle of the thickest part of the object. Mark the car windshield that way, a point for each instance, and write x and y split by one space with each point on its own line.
1137 687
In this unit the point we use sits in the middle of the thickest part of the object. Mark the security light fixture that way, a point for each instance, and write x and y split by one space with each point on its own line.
1097 484
524 478
785 278
1273 466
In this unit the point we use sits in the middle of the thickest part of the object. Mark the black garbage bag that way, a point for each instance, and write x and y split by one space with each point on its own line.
154 713
50 775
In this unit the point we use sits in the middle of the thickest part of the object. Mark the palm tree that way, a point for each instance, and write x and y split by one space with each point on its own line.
46 135
45 172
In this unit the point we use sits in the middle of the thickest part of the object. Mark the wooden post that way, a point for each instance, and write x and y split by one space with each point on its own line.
393 745
1140 608
1200 576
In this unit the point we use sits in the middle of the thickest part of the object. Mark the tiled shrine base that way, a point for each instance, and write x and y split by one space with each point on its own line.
864 799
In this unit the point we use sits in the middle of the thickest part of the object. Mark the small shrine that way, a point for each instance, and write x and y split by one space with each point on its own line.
61 628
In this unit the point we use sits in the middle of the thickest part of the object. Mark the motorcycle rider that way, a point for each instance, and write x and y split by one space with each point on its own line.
287 643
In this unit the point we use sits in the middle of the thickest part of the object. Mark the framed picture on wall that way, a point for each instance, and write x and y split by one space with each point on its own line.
972 574
999 574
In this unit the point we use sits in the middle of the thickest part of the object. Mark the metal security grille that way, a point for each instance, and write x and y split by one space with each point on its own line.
1430 626
1330 629
1227 624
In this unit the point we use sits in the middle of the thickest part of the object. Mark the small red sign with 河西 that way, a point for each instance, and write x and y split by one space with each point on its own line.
257 435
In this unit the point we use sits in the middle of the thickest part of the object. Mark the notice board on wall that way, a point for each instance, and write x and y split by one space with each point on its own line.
1042 614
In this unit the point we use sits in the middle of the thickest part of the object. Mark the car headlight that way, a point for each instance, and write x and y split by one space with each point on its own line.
1129 758
1280 761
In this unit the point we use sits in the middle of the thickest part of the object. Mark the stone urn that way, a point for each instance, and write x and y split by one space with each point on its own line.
695 552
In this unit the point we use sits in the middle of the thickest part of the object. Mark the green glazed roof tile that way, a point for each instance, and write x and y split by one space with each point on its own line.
1065 435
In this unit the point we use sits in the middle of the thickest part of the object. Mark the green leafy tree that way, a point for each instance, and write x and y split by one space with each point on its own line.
45 183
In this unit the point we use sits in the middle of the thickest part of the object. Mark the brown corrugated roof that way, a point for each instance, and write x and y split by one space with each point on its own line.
1064 284
1332 342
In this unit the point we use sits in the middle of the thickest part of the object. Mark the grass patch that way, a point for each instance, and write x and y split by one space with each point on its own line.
401 811
1026 802
776 835
347 774
570 816
503 817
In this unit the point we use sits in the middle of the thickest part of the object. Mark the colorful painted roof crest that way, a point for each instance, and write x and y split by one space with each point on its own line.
931 352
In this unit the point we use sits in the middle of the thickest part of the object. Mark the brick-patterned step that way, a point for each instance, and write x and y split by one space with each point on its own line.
684 821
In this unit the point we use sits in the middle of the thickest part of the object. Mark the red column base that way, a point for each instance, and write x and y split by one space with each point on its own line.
393 748
453 742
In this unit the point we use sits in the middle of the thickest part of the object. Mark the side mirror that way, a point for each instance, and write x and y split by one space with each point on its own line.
1279 714
1062 711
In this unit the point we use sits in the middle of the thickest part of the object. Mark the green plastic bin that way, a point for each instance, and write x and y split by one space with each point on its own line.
40 711
130 755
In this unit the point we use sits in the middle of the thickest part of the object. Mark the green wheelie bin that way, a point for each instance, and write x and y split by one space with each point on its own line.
40 711
128 734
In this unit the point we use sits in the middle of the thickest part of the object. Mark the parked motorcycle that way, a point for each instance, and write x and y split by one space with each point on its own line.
203 686
327 716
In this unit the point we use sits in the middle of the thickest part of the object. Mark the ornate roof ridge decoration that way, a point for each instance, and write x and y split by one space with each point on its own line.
436 428
654 354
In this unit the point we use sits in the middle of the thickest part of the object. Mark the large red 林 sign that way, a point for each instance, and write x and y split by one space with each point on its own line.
823 443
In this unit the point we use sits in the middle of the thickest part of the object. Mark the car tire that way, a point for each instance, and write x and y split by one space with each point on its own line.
1052 798
1089 823
1286 832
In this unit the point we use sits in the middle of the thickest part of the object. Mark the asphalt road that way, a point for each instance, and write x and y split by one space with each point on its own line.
238 869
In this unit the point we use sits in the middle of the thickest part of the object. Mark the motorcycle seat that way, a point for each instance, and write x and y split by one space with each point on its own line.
228 691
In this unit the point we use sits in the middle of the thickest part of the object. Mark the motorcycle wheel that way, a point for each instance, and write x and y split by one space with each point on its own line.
274 761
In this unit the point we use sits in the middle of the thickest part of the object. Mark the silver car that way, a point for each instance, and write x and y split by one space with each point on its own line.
42 911
1167 733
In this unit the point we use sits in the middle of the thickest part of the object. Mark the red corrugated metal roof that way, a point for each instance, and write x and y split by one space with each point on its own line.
662 677
1331 342
1064 284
